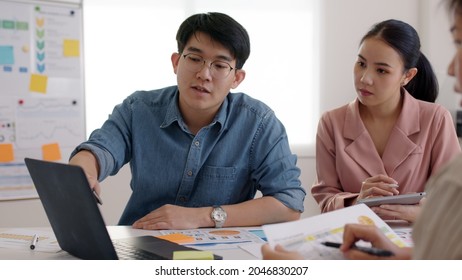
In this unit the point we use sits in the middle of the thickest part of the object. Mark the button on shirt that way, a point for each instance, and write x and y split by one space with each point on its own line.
243 150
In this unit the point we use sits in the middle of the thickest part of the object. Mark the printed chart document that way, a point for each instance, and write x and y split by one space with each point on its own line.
217 238
306 235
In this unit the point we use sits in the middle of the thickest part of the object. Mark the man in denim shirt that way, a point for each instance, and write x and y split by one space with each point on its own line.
197 152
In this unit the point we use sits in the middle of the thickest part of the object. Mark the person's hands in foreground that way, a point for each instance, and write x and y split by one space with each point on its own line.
279 253
355 232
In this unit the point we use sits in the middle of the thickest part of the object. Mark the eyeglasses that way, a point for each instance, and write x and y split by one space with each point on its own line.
218 69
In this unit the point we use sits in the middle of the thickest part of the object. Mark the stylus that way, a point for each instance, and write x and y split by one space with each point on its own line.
98 199
34 241
370 250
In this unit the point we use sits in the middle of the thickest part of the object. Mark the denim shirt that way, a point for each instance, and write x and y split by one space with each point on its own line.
243 150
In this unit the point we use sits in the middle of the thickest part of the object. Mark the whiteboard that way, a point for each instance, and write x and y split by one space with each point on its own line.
42 112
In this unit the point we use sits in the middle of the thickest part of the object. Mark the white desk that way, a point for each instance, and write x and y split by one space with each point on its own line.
231 253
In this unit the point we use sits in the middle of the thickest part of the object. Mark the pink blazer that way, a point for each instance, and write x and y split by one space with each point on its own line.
422 141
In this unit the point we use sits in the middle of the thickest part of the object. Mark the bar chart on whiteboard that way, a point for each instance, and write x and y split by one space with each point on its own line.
42 89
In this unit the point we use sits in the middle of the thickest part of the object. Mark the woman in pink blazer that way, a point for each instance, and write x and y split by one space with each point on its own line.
392 134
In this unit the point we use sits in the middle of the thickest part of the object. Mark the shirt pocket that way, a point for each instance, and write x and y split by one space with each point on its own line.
217 184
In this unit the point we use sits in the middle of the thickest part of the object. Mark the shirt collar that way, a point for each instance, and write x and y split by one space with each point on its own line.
174 115
173 112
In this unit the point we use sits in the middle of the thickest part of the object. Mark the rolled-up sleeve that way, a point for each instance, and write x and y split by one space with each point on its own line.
275 167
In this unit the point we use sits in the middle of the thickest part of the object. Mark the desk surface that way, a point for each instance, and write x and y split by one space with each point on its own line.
228 251
231 252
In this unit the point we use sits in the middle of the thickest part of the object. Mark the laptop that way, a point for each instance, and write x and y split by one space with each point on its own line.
77 222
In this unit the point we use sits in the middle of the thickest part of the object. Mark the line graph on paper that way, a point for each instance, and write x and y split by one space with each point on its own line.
48 108
7 123
48 120
46 131
311 247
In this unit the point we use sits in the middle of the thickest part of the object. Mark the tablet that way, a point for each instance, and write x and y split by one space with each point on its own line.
410 198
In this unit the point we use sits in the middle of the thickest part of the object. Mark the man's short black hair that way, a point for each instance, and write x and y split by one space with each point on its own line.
222 29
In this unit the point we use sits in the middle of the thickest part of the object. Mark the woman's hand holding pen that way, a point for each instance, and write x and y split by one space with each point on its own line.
379 185
382 185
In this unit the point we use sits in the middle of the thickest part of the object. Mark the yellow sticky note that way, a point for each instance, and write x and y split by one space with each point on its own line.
38 83
177 238
6 152
71 48
39 22
192 255
51 152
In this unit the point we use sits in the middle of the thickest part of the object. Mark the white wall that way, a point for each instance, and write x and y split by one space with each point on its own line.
343 24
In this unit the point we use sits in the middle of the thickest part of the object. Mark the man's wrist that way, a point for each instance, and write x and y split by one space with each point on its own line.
218 216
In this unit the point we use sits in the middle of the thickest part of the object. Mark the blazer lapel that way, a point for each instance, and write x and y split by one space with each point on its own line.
361 149
399 146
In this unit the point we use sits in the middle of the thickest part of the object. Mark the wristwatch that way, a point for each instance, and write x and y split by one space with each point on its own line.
218 215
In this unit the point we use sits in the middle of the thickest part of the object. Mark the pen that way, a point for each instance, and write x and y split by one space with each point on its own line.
370 250
34 241
98 199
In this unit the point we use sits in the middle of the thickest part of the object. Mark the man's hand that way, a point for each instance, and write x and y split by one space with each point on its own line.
89 164
175 217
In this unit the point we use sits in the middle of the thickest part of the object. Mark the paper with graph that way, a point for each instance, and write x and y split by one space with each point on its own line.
306 235
42 109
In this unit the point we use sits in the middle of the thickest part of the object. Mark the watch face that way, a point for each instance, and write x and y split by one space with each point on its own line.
219 216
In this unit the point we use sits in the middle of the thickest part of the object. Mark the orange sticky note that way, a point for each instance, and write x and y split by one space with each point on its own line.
6 152
177 238
71 48
51 152
38 83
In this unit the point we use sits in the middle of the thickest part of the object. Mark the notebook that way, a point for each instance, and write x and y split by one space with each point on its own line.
77 222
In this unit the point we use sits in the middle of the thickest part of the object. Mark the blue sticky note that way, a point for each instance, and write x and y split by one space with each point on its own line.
6 55
260 233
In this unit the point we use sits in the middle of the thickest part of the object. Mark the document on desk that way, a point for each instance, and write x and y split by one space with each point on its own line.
223 237
306 235
21 239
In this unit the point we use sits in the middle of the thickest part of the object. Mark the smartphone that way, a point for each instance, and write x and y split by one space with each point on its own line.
408 199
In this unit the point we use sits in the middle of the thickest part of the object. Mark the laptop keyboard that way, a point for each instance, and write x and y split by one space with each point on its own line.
126 251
